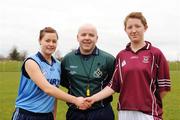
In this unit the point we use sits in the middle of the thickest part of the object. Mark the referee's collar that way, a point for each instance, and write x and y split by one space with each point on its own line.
44 60
94 52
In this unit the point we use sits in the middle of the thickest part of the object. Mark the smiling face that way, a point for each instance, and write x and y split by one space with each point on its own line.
135 30
48 43
87 38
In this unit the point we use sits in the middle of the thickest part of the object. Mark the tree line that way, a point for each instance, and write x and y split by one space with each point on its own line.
14 54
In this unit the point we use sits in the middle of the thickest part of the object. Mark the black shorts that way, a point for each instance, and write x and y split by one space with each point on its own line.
104 113
21 114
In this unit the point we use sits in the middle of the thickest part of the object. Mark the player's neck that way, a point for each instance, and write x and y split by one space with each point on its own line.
136 46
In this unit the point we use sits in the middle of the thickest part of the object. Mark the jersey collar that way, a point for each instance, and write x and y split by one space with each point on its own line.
95 52
44 60
146 47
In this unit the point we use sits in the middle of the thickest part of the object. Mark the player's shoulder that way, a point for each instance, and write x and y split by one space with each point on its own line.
121 53
155 50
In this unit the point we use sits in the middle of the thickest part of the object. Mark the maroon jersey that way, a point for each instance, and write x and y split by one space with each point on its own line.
140 77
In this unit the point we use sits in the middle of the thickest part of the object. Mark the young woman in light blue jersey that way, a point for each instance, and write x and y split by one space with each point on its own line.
39 82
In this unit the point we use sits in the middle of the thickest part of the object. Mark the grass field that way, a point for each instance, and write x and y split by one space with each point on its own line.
9 81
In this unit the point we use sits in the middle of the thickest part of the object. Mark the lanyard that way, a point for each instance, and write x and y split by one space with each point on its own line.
87 74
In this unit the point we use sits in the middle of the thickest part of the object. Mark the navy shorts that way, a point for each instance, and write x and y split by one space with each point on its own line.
104 113
21 114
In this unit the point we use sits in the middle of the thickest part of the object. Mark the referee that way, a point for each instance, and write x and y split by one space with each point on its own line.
86 71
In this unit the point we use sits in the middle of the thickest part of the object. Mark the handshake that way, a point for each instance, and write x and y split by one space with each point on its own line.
84 103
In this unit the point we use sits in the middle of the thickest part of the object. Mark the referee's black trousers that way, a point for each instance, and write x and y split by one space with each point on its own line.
104 113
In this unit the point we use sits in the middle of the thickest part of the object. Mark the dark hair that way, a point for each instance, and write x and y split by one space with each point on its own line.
137 15
47 30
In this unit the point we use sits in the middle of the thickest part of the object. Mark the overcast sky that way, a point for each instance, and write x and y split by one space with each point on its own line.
21 21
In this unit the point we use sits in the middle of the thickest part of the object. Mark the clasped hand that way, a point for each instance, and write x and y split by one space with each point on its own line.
84 103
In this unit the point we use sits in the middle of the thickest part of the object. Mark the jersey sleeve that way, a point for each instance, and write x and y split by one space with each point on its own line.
163 76
64 81
111 67
115 81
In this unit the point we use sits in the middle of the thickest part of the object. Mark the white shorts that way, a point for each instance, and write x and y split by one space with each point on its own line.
133 115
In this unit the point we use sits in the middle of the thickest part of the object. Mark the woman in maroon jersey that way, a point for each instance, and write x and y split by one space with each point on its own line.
141 75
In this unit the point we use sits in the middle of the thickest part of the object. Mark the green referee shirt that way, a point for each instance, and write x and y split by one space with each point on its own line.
85 75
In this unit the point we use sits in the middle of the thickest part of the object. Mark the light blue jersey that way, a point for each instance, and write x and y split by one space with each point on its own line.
30 96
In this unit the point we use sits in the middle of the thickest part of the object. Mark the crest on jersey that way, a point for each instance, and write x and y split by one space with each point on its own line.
98 73
145 59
